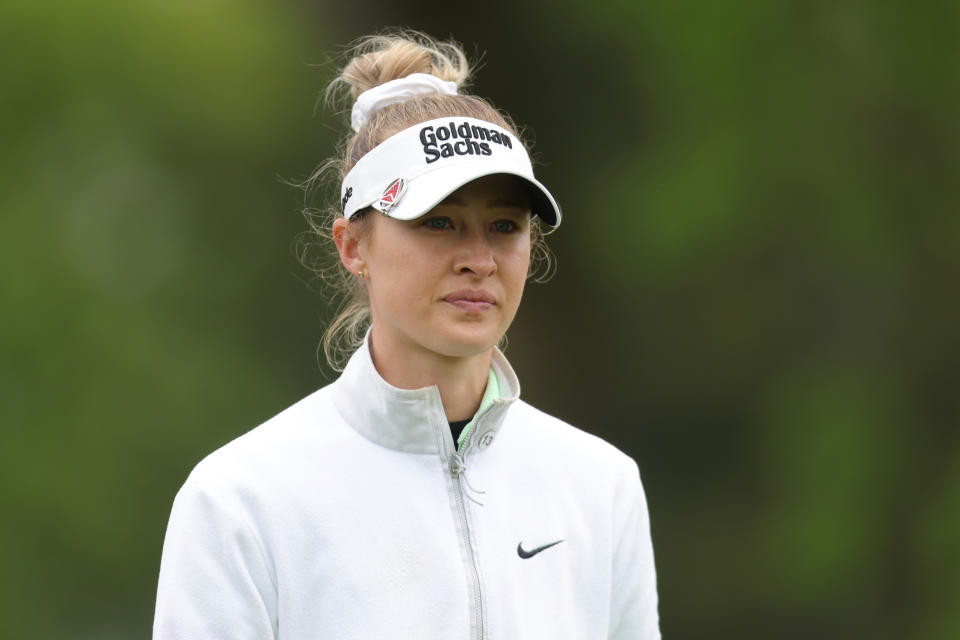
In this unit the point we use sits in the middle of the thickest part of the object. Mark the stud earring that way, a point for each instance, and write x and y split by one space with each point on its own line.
362 275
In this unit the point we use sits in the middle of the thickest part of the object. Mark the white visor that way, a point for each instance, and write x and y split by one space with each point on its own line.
411 172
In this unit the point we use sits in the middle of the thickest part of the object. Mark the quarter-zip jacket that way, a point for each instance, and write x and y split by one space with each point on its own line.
353 515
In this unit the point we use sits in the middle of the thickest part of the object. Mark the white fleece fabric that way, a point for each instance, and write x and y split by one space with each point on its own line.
352 515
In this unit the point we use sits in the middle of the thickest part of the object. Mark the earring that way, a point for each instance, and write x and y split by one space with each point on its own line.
362 275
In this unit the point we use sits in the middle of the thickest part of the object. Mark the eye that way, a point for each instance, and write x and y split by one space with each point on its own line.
504 226
438 222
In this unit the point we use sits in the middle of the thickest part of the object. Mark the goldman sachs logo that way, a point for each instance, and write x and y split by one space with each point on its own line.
460 140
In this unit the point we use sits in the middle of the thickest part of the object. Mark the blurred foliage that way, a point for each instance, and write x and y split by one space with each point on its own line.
756 296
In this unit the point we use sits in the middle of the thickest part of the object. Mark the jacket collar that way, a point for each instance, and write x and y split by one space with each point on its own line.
412 420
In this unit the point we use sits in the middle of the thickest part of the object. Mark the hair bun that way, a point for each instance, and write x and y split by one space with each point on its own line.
378 59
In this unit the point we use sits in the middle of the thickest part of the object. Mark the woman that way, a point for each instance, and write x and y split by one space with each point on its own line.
417 496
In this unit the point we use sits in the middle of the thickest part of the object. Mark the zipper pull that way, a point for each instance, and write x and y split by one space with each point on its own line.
458 468
457 465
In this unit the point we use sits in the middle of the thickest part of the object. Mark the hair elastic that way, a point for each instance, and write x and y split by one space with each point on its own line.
394 91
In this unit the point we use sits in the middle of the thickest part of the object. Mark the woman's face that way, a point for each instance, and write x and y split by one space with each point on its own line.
449 283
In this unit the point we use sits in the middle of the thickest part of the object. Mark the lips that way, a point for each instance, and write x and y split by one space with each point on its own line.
471 300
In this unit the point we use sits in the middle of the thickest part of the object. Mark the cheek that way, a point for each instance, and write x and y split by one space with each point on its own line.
402 280
516 263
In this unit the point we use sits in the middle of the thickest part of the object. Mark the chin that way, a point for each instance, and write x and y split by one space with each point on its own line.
464 342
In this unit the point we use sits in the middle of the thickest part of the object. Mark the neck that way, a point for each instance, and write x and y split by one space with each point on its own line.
461 380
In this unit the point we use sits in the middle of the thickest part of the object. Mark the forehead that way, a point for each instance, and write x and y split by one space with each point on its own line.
493 190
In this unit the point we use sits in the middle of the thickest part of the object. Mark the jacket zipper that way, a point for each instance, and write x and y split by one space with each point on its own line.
457 468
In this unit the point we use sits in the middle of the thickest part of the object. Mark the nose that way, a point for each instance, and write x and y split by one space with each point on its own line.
475 255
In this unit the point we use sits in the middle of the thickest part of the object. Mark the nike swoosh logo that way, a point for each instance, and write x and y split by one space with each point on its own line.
523 553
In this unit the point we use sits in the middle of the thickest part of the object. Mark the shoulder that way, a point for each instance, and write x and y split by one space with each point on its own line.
270 452
533 430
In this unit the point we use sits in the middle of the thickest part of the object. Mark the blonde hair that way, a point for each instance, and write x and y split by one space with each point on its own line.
375 60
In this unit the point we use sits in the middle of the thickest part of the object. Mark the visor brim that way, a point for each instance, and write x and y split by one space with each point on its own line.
426 191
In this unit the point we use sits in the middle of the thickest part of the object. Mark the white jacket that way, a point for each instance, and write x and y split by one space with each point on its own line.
351 515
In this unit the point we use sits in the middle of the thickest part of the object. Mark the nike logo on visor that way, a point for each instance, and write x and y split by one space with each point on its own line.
523 553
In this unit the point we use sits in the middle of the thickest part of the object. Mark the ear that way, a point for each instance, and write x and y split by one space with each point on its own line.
348 245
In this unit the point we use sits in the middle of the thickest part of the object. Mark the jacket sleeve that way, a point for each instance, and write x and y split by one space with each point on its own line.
215 581
633 614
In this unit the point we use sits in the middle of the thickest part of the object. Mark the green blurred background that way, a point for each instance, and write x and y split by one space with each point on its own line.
756 297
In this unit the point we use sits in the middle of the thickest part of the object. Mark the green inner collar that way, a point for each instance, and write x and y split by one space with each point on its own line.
491 393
